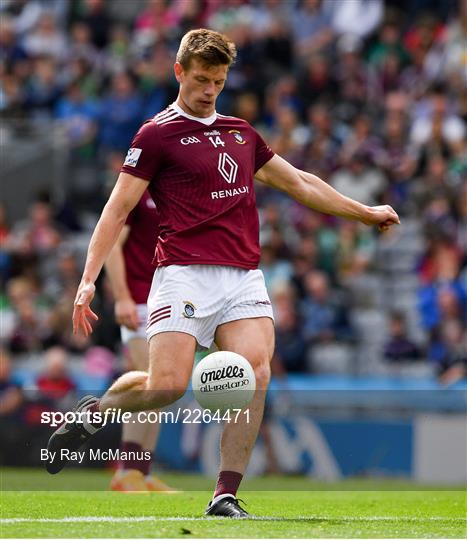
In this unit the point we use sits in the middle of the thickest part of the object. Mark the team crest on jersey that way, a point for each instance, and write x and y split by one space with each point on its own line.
132 157
189 309
238 136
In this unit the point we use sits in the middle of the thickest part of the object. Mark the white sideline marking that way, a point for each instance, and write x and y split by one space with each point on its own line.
138 519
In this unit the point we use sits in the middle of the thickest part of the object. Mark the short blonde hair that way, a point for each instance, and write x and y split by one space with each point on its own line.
209 47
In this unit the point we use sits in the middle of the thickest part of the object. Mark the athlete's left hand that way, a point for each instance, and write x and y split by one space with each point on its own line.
82 313
383 216
126 313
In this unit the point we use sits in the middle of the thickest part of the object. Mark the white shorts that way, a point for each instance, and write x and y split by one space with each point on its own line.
140 332
196 299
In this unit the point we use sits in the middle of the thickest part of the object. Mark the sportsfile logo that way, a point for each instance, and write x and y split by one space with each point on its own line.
229 372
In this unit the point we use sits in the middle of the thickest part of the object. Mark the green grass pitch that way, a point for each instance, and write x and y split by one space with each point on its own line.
285 508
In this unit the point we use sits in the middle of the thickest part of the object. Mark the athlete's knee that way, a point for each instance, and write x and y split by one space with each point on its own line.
168 386
262 371
133 380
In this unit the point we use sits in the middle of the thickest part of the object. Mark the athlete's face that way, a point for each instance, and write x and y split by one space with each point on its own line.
199 87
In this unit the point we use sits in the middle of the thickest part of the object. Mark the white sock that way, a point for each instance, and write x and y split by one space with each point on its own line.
222 496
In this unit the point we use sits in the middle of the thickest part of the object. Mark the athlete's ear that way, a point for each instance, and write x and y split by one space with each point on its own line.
178 70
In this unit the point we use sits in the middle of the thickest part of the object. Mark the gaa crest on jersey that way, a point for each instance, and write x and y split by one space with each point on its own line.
189 309
238 136
132 157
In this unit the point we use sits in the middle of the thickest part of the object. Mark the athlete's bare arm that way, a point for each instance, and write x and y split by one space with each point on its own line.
126 193
317 194
126 313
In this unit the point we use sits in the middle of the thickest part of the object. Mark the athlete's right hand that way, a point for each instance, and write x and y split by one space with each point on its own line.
82 313
126 313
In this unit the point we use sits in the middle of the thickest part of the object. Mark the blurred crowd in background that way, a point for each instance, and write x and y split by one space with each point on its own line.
368 94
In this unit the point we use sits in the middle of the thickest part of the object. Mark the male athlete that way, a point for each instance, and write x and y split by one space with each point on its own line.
199 166
130 274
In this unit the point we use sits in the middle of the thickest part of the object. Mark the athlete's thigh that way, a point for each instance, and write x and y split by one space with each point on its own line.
252 338
171 355
139 353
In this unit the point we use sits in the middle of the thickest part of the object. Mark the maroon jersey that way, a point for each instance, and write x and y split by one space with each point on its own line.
200 173
139 247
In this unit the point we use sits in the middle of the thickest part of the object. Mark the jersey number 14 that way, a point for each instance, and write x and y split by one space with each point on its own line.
217 141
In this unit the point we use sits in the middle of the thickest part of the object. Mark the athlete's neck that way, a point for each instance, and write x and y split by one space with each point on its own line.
206 121
185 108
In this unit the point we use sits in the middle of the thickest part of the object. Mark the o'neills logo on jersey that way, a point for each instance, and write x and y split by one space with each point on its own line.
229 372
223 193
212 133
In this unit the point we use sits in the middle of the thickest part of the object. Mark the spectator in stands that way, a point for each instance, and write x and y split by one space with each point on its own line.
81 45
358 17
247 107
434 182
277 44
400 347
321 152
318 81
362 140
11 100
414 80
44 87
442 261
455 65
289 136
24 14
276 270
301 266
359 180
387 78
11 395
388 44
61 280
448 351
78 114
311 27
440 130
353 253
325 318
427 32
121 113
35 238
46 39
155 22
435 298
117 50
11 403
396 161
352 75
11 50
93 13
461 208
156 81
55 384
290 350
30 331
5 258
